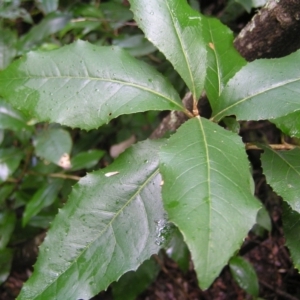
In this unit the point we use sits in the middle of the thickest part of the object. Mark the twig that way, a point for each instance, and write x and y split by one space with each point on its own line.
65 176
284 146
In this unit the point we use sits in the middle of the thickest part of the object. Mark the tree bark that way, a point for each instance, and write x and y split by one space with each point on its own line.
273 32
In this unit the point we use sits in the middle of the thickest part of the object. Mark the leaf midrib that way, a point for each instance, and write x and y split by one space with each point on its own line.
183 52
155 172
102 79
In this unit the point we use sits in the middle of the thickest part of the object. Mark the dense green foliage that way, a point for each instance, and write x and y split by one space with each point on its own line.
190 193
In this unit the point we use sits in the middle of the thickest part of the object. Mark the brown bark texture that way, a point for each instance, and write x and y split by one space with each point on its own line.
273 32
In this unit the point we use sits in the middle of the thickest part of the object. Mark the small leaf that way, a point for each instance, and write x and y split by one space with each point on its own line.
220 57
131 284
282 170
7 225
263 89
244 274
8 51
107 228
10 118
6 257
291 229
47 6
82 85
54 145
290 124
207 193
263 219
178 250
175 29
52 23
86 160
43 197
10 159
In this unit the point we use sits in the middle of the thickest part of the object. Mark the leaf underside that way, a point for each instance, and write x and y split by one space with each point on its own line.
85 86
107 227
207 193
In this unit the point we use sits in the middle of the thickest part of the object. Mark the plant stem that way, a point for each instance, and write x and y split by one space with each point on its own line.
284 146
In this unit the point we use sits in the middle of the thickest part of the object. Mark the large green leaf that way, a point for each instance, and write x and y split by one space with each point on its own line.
291 228
220 57
263 89
175 29
282 170
107 227
85 86
54 145
207 193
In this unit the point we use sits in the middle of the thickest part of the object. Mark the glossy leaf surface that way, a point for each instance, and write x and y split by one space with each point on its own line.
263 89
207 193
244 274
54 145
220 57
85 86
43 197
175 29
107 227
282 170
291 229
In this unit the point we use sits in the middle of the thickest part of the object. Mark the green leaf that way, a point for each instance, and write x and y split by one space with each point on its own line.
54 145
86 160
5 191
52 23
175 29
85 86
282 170
6 257
7 225
220 57
290 124
8 51
107 227
11 118
263 89
178 250
263 219
47 6
136 45
115 14
207 193
291 228
131 284
43 197
244 274
10 159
